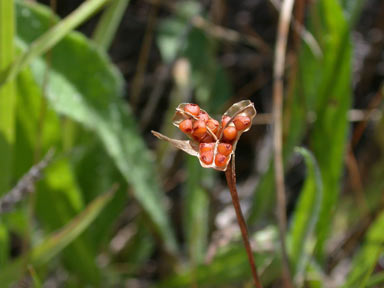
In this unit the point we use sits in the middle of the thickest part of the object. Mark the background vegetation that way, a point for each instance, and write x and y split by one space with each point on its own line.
89 198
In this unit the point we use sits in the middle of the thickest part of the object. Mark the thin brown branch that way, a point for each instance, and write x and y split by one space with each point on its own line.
278 90
230 175
219 32
25 185
144 55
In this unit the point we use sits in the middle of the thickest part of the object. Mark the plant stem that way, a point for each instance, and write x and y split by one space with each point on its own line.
278 91
230 175
109 22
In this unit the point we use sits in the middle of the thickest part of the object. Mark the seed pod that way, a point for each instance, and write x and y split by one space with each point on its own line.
199 129
221 160
224 148
207 157
242 122
193 109
186 126
229 133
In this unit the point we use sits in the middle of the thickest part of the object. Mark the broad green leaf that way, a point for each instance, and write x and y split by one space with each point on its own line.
55 243
58 197
306 213
86 88
365 260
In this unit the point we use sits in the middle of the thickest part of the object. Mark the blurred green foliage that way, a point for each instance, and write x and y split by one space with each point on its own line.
63 91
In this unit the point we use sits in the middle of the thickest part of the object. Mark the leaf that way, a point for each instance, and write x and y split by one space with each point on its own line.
58 197
85 87
107 26
365 260
305 217
196 212
332 101
55 243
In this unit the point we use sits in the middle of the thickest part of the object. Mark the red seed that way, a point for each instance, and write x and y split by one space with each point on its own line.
199 129
224 148
242 122
203 116
213 125
221 160
207 157
193 109
186 126
230 133
224 120
206 147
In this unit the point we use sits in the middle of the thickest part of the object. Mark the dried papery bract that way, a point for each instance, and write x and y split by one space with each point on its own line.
215 144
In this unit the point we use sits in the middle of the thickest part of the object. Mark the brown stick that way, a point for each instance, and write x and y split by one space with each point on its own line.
278 90
230 175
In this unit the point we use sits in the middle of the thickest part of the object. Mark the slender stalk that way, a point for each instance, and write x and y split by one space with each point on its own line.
109 22
230 175
7 111
278 90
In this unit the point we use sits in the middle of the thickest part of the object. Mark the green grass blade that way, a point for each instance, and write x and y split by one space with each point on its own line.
7 94
366 259
56 242
196 205
305 216
7 111
52 36
332 102
376 280
107 26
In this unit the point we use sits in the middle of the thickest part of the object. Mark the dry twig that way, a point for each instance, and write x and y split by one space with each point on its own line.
278 90
25 185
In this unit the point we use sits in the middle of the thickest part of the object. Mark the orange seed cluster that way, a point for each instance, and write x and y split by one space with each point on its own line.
199 125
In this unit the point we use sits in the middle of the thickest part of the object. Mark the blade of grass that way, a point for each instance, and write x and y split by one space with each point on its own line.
107 26
7 93
7 111
55 243
364 262
196 212
305 217
52 37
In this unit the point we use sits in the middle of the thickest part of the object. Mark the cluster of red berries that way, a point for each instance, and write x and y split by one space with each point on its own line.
211 134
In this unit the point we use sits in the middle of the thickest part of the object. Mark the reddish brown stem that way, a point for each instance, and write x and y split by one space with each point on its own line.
230 175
